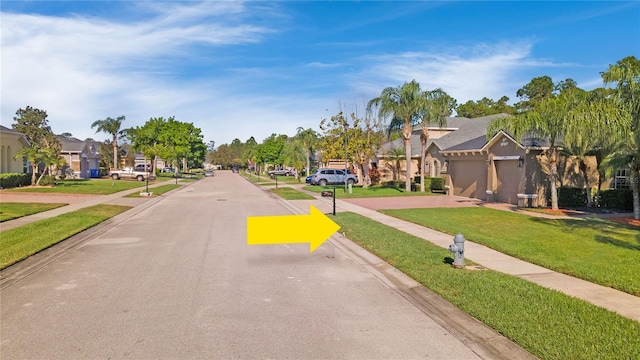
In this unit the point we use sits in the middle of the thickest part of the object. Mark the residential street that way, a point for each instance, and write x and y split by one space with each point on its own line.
178 281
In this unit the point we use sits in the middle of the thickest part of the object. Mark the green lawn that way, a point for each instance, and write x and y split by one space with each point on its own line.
86 186
598 251
157 191
26 240
10 211
288 193
372 191
258 179
547 323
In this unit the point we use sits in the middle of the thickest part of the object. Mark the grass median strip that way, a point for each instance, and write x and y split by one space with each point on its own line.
19 243
156 191
288 193
10 211
595 250
547 323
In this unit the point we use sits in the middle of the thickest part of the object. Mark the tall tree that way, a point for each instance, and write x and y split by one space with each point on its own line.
625 74
269 152
594 128
485 106
112 127
439 106
171 140
361 136
546 117
293 154
537 90
309 142
43 145
403 104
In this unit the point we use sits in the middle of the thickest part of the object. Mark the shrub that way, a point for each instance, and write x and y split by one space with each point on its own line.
47 180
618 199
436 184
395 184
571 197
11 180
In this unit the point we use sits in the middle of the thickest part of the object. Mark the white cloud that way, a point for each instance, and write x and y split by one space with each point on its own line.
465 73
80 69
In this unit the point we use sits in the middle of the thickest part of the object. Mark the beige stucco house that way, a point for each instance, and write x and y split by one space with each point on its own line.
11 142
499 169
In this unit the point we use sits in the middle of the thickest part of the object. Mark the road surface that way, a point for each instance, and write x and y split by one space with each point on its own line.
178 281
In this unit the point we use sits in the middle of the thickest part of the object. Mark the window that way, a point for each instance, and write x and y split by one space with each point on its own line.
621 181
339 172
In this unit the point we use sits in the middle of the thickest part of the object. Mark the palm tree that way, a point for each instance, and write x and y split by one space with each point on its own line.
111 126
404 105
626 75
293 154
395 154
593 129
546 119
439 106
309 140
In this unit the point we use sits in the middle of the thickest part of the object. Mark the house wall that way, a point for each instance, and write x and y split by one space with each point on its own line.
386 173
10 145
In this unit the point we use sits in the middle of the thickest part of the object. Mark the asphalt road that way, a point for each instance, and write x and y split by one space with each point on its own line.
177 281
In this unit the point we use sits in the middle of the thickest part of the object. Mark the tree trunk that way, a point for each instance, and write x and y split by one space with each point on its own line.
635 185
587 187
424 137
553 176
46 169
406 134
34 170
115 153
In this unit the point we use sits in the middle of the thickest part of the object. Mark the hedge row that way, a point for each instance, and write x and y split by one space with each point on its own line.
12 180
615 199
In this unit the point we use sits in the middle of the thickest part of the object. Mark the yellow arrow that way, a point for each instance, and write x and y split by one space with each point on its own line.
314 229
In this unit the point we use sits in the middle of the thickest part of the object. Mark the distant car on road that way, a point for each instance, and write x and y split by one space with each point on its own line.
208 173
332 176
280 172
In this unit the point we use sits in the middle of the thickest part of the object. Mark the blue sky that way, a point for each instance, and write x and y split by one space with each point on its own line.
241 69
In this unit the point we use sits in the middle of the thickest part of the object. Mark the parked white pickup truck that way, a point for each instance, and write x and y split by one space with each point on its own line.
130 173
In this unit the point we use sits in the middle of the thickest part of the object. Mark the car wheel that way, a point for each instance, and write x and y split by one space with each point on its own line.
322 182
350 181
115 177
140 178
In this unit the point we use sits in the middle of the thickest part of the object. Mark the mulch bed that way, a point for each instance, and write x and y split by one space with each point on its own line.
626 220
